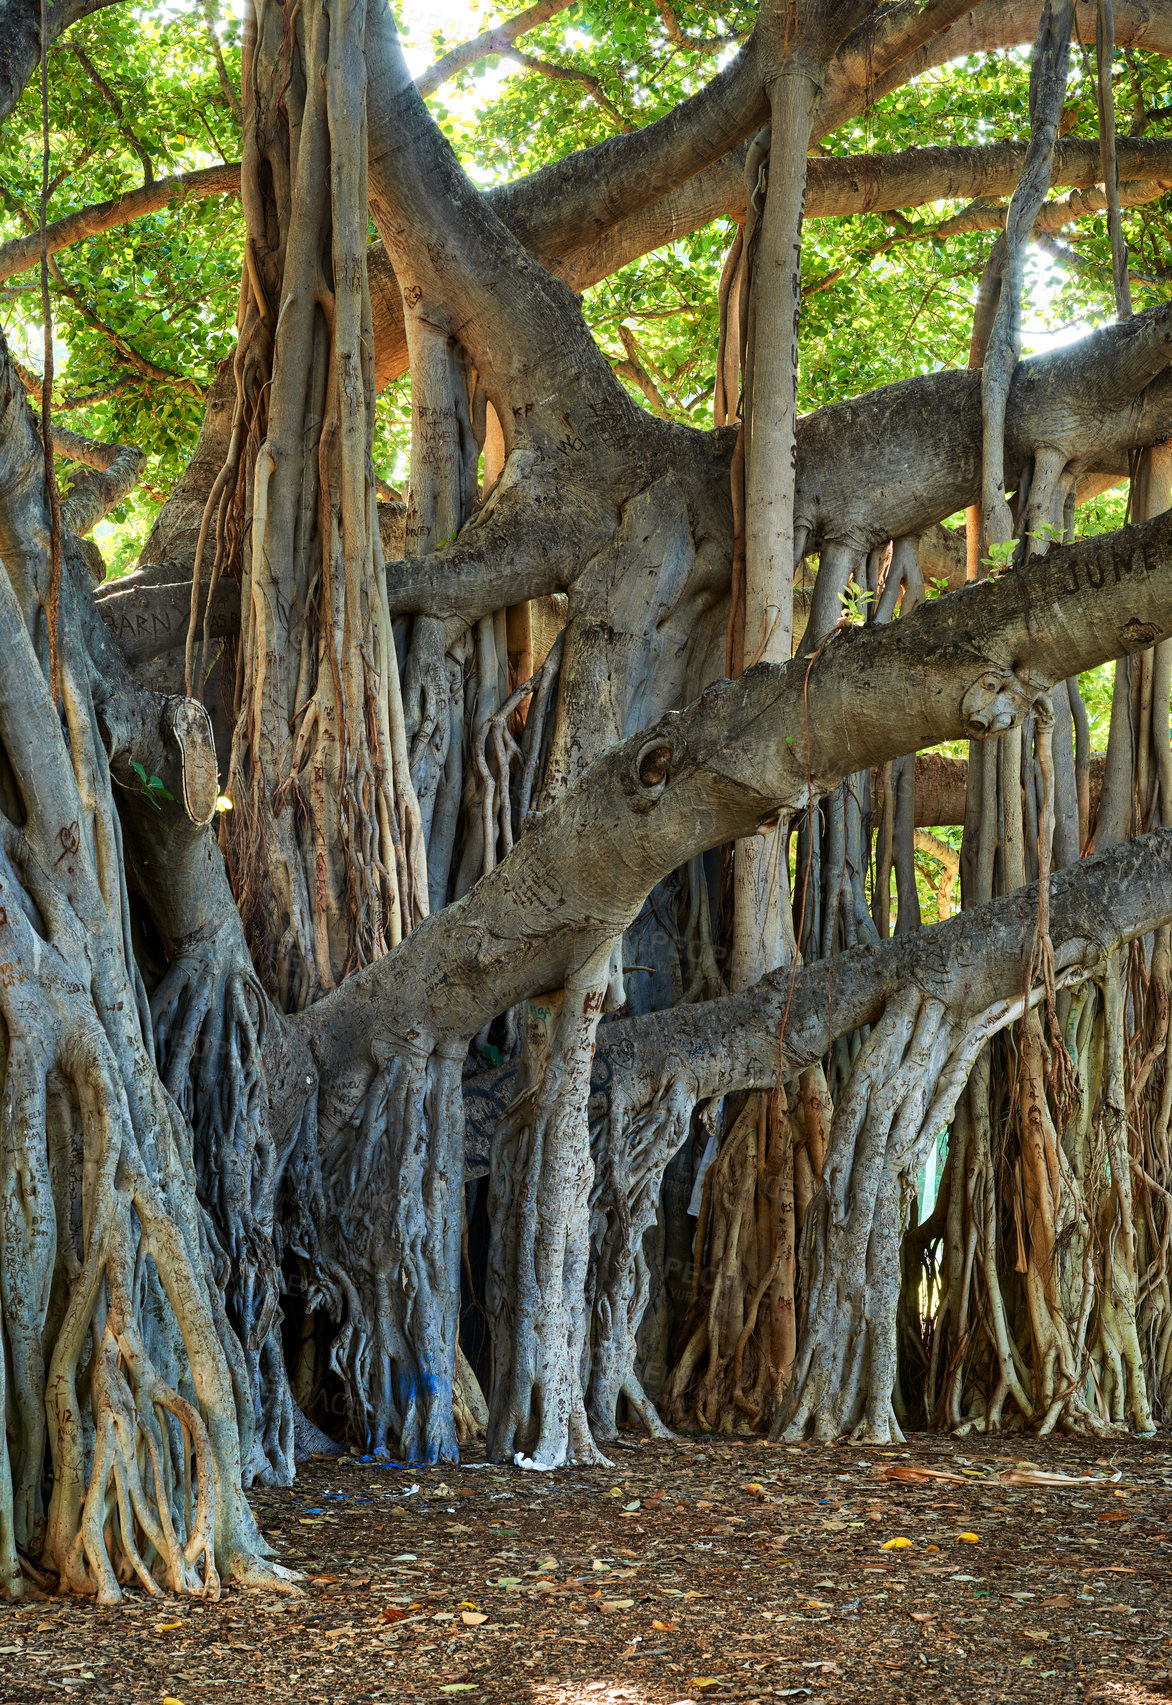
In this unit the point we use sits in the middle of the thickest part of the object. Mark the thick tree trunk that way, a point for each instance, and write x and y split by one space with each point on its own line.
119 1356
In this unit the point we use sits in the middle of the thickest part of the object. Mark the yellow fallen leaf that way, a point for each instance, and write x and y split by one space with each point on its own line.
664 1627
895 1544
970 1538
162 1626
473 1618
168 1700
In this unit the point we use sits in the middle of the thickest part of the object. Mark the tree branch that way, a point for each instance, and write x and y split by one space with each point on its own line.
972 663
789 1020
571 74
1003 23
21 253
133 357
115 105
499 38
693 44
20 40
227 87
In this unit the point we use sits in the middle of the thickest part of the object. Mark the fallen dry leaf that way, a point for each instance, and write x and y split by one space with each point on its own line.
899 1544
969 1538
392 1613
1044 1477
915 1475
664 1627
473 1618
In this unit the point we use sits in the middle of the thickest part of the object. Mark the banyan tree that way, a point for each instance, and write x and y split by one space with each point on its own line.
496 961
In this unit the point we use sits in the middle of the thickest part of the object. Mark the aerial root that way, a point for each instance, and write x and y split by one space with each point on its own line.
124 1532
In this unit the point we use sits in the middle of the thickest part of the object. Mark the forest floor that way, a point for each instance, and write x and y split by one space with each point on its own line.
705 1570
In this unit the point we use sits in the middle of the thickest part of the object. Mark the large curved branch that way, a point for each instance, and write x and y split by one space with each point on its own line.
971 663
991 25
463 272
571 204
835 188
20 40
914 458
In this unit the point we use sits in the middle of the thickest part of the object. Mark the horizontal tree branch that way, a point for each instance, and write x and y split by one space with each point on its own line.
838 187
942 786
22 253
914 459
971 664
788 1020
148 612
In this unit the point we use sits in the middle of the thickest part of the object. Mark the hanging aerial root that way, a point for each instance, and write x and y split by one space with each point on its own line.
903 1089
539 1211
631 1151
210 1014
388 1263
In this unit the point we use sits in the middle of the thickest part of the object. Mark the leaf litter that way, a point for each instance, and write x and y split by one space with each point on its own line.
723 1570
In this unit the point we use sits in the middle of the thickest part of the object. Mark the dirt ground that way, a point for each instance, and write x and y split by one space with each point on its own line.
704 1570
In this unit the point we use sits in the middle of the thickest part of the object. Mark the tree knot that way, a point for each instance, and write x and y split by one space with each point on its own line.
1000 699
